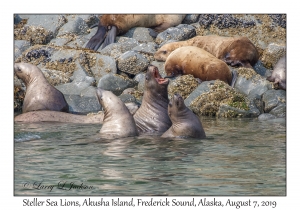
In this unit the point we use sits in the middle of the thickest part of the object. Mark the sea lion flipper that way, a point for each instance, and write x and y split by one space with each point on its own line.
110 37
97 39
234 77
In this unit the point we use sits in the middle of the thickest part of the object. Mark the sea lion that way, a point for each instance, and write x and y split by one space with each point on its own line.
234 51
184 122
55 116
112 25
199 63
279 73
152 117
40 94
118 121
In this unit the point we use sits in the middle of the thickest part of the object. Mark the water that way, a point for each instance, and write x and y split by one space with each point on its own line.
239 157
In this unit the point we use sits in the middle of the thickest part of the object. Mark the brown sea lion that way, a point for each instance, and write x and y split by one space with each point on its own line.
279 73
118 121
184 122
152 117
55 116
40 94
234 51
112 25
199 63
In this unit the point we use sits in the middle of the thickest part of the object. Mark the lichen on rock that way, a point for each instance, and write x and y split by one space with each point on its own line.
183 85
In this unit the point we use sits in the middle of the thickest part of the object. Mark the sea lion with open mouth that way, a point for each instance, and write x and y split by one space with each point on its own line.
152 117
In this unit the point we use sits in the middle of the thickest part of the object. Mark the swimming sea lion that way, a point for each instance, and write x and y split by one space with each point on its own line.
279 73
197 62
118 121
184 122
152 117
40 94
234 51
55 116
113 25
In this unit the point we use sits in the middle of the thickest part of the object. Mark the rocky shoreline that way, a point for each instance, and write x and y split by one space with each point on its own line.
55 43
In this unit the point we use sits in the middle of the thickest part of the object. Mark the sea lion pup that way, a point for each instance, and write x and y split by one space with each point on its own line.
152 117
199 63
118 121
184 122
234 51
55 116
112 25
279 73
40 94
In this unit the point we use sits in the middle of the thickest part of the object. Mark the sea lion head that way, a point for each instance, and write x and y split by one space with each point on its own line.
176 104
24 71
241 53
163 52
107 100
153 79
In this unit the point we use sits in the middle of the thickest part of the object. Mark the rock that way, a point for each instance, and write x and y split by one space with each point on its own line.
149 48
273 98
179 33
75 25
279 111
17 19
250 83
90 19
132 62
141 34
122 45
190 19
272 54
183 85
126 98
60 41
40 29
116 83
266 116
80 41
82 105
80 82
232 112
140 78
36 54
128 91
55 77
20 47
202 88
261 70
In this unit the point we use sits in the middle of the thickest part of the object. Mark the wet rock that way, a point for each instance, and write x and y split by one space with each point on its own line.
80 82
20 47
183 85
141 34
202 88
75 25
266 116
149 48
116 83
250 83
261 70
179 33
272 54
132 62
279 111
40 29
122 45
272 99
190 19
82 105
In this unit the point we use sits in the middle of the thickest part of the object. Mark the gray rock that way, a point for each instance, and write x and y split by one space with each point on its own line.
190 19
132 62
250 87
122 45
149 48
273 98
179 33
25 16
60 41
279 111
139 77
20 47
90 19
261 70
82 105
55 77
272 54
17 19
266 116
126 98
228 111
81 40
141 34
75 25
202 88
116 83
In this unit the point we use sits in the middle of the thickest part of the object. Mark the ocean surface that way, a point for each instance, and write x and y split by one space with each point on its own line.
238 157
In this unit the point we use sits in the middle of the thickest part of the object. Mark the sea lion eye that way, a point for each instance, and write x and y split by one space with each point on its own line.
18 69
164 52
